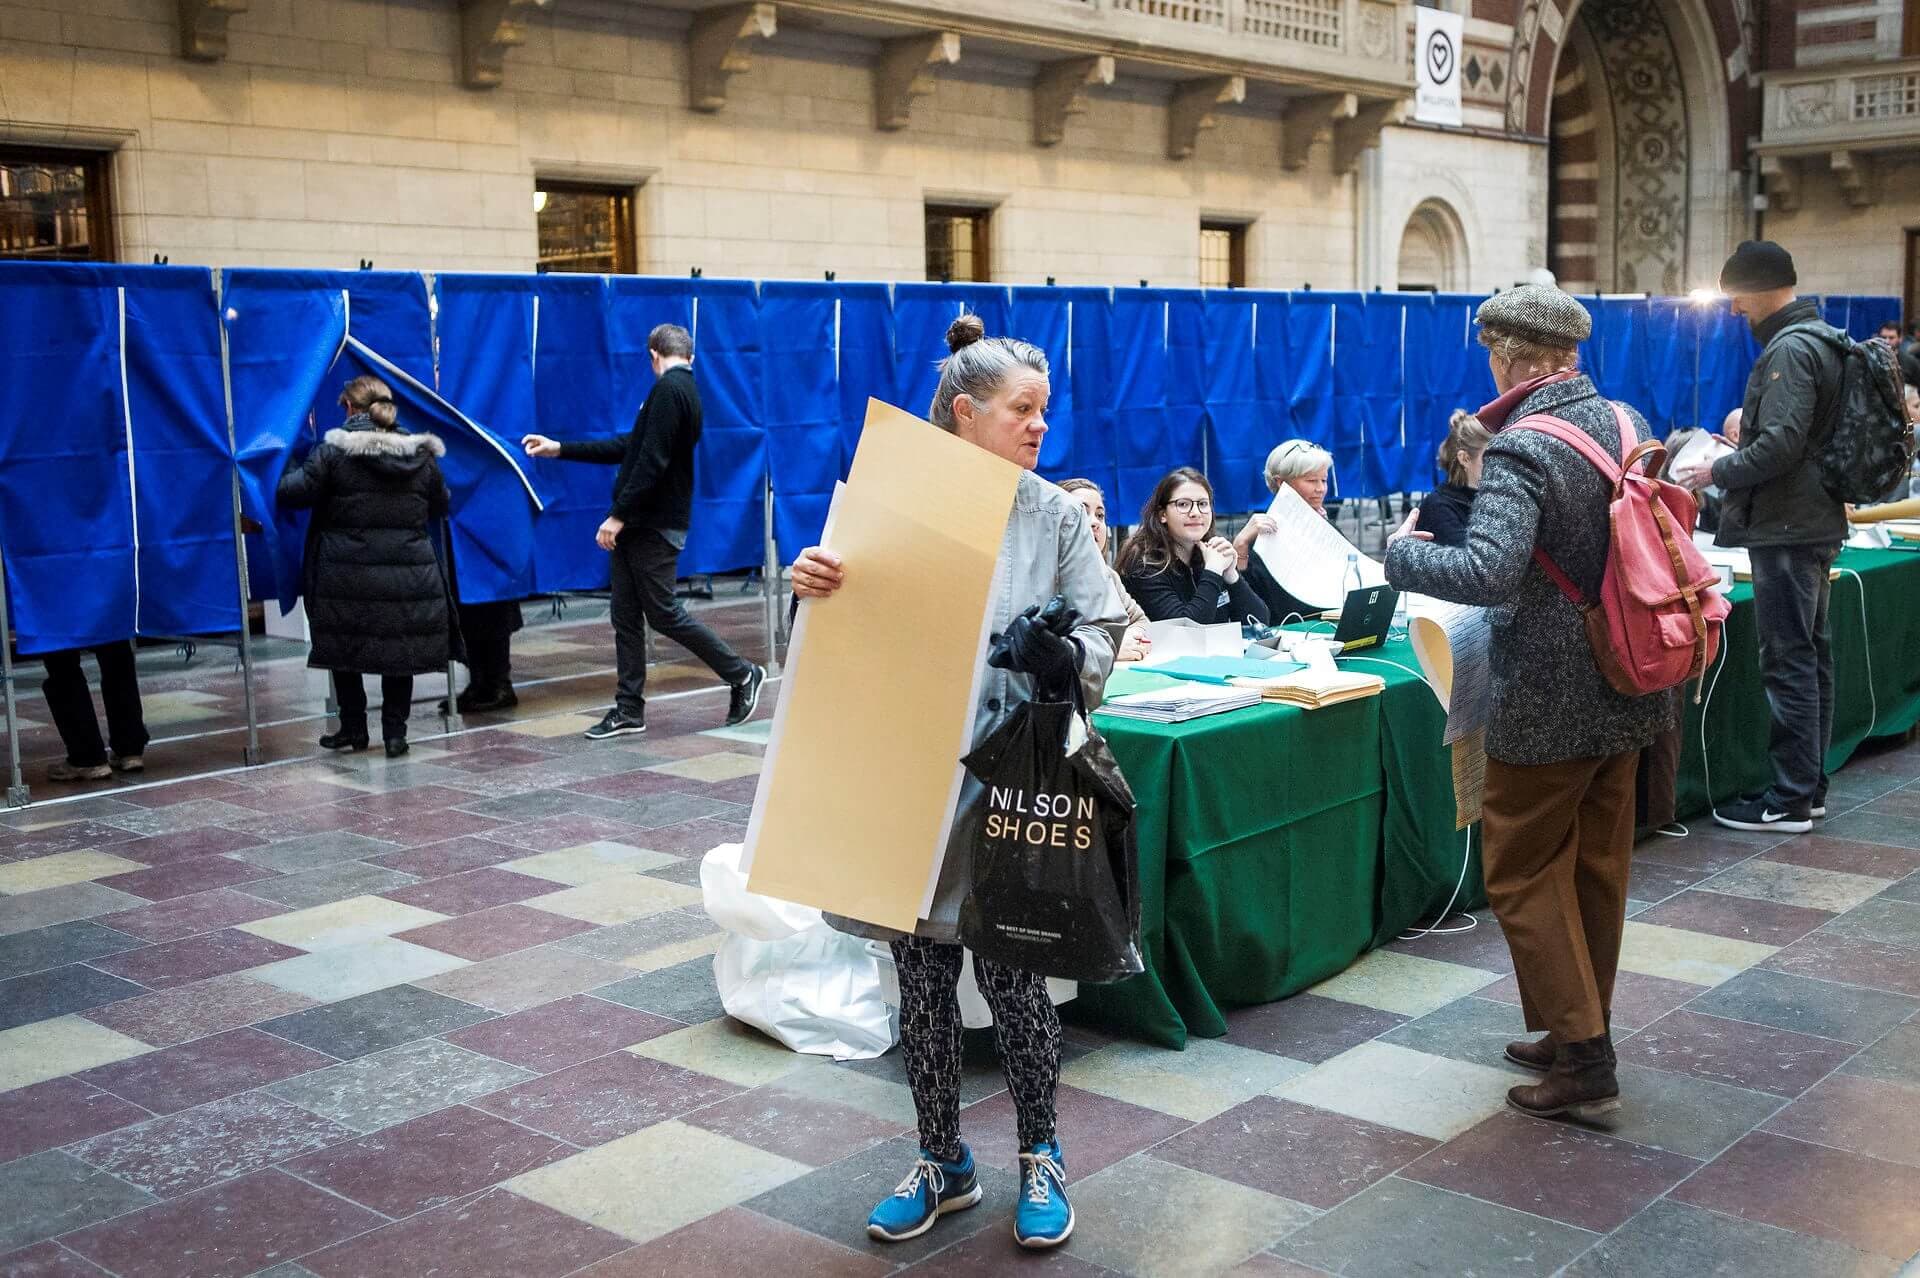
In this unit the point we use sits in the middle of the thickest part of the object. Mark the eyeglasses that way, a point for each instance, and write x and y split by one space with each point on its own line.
1191 505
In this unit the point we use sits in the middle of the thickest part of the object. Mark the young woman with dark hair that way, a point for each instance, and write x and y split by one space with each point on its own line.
1176 565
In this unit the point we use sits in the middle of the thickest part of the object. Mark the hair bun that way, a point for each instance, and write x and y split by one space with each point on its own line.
965 331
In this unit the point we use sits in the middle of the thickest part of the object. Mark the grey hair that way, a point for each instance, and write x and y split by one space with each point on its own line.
1295 459
1516 348
978 367
671 341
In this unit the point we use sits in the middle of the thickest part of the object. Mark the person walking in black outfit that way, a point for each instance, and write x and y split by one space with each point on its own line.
645 531
377 598
71 705
1776 505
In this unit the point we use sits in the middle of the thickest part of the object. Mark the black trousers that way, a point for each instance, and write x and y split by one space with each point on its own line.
70 703
644 566
396 700
1790 594
488 629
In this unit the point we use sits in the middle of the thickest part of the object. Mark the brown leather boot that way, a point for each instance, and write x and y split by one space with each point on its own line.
1581 1085
1535 1055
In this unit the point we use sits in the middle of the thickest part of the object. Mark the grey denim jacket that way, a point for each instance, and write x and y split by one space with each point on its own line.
1047 550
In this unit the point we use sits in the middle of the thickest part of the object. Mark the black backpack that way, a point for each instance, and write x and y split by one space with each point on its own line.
1869 442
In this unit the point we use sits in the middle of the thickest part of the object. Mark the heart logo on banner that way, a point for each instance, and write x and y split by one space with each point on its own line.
1440 56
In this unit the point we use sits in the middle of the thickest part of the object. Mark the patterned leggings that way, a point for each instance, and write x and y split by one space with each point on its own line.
1025 1025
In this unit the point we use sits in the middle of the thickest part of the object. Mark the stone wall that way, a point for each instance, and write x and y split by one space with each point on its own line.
1838 248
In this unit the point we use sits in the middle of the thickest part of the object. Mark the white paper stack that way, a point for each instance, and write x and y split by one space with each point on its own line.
1179 704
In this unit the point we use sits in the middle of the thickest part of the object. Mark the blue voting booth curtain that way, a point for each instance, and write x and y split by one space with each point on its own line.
800 407
1865 315
1437 359
1309 368
486 328
730 466
284 329
183 462
1043 316
492 499
1352 371
921 316
1186 419
573 398
866 368
66 509
1144 447
1383 397
1090 374
1238 422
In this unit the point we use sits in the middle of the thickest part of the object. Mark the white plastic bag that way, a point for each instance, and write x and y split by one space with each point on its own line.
788 974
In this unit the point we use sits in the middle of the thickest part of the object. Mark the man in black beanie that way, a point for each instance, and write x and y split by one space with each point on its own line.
1776 506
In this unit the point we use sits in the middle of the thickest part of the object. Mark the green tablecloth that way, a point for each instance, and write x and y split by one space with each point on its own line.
1278 845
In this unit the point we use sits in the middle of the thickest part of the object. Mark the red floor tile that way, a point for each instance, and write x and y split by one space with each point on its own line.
1737 1052
1098 1131
428 1162
1310 1155
1828 1193
1840 958
738 1241
486 934
194 1011
472 891
562 1033
227 1231
195 958
453 856
58 1112
187 845
1736 917
606 1098
499 1235
1860 1115
1875 860
184 916
163 883
814 1132
177 1078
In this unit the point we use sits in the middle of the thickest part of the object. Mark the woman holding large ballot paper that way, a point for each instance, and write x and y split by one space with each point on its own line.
993 394
1561 743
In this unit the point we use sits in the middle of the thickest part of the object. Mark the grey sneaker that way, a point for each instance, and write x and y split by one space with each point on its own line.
127 762
64 771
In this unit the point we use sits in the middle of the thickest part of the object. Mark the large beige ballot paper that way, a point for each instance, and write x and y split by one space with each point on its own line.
876 708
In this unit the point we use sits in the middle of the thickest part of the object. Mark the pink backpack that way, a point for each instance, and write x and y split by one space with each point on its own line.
1658 619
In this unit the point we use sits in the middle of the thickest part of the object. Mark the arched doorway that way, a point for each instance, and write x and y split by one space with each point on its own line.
1621 168
1433 250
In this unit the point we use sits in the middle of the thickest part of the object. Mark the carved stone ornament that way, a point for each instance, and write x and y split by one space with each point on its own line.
1809 106
1376 30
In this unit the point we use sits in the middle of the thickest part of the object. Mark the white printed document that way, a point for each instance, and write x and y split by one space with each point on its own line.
1309 557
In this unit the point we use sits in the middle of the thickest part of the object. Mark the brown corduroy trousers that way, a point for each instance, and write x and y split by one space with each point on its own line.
1558 847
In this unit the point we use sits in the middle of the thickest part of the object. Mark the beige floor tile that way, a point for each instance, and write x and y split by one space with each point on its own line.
1803 885
47 1049
61 869
342 923
1399 1087
656 1180
1206 1079
590 862
616 899
559 725
373 964
723 766
1159 1220
724 1048
678 952
759 732
820 1080
1680 955
1404 983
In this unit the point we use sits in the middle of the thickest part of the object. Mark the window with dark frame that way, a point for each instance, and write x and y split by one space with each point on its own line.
1223 255
55 205
585 228
959 244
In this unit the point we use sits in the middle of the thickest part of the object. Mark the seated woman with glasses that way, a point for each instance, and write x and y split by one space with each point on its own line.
1176 565
1303 466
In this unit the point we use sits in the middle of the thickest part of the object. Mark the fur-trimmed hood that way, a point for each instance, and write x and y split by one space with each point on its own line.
368 441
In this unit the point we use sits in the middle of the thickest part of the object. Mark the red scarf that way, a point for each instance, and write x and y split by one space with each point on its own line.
1494 416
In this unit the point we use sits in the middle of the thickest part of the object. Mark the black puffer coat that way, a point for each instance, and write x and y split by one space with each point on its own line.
377 600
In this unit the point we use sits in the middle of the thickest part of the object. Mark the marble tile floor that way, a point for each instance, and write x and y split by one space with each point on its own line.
455 1015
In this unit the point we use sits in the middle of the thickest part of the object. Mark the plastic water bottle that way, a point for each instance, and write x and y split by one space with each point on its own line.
1352 580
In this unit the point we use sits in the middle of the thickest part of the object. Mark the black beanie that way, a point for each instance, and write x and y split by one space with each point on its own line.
1758 266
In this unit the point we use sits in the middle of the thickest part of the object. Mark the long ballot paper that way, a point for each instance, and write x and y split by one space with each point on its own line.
1451 642
1308 555
876 709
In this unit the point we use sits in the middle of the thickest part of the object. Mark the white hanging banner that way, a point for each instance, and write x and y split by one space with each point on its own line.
1436 57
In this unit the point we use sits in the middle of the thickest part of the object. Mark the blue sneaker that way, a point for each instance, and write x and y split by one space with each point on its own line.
1045 1217
930 1191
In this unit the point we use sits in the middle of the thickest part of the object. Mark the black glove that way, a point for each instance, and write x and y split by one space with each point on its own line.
1039 644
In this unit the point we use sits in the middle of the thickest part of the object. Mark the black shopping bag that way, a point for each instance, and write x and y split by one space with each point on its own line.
1056 871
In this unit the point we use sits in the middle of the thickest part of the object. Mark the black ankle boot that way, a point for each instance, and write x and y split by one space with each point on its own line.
396 746
344 740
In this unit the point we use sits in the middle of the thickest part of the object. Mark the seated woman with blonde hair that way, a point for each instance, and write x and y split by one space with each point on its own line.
1134 644
1446 511
1302 465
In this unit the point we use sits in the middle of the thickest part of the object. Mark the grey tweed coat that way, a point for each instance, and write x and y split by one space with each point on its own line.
1550 703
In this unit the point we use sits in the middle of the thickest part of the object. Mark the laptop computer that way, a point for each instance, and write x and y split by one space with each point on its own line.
1365 617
